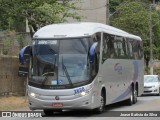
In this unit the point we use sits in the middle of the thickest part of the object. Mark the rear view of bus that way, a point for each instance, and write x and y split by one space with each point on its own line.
65 68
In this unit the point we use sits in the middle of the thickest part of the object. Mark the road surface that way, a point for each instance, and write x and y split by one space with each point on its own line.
145 103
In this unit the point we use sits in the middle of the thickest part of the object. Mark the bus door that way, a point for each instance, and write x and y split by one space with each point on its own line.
94 63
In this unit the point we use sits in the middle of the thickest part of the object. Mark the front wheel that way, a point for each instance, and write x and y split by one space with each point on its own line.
102 105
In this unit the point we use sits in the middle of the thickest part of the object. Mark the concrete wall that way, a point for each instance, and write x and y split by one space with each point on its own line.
10 83
93 11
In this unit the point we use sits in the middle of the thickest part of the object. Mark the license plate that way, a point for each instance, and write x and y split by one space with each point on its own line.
57 104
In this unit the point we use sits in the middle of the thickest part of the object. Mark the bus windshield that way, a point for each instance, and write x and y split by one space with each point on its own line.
60 62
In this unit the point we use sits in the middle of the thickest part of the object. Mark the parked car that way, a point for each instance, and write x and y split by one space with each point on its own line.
151 84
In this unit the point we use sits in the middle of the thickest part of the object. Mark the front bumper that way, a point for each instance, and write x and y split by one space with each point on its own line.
151 90
84 102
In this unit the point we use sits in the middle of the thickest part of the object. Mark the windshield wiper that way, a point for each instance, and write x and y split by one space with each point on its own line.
66 72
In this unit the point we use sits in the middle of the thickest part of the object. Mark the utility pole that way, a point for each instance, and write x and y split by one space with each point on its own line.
151 51
107 12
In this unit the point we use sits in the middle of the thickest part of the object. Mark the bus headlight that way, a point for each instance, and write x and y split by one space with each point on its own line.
86 92
33 94
83 93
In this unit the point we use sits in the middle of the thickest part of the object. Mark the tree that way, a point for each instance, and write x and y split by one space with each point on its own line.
134 18
38 12
113 4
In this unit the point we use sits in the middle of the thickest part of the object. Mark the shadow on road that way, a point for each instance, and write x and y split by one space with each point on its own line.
88 113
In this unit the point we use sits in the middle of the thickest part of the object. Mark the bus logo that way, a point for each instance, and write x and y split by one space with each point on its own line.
57 98
118 68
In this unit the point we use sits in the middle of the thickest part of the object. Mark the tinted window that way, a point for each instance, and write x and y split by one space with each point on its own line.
108 47
118 46
121 48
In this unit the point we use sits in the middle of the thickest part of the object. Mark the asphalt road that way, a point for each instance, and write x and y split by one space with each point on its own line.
145 103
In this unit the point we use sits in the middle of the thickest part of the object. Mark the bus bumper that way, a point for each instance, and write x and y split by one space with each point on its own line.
88 101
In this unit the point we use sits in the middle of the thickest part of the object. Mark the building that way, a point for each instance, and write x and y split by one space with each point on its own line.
93 10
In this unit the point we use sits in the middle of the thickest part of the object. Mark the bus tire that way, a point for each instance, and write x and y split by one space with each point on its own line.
102 105
135 94
130 100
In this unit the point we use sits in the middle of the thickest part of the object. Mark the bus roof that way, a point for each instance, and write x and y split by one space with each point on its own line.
80 29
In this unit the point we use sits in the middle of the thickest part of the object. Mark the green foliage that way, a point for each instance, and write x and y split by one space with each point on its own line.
113 5
20 39
38 12
134 17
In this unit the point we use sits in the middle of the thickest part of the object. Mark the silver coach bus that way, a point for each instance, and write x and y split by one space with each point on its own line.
83 66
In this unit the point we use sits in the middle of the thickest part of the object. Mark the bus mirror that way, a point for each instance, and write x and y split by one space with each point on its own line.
92 52
24 55
23 71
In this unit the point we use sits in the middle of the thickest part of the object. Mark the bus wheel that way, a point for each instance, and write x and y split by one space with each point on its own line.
102 105
135 96
48 112
130 100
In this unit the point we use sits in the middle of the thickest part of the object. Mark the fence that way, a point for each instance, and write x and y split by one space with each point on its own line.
11 42
10 45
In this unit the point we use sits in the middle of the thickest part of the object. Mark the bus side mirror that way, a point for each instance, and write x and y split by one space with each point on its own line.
24 56
92 52
23 71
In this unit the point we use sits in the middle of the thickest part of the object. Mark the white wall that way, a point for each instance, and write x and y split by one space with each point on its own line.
93 10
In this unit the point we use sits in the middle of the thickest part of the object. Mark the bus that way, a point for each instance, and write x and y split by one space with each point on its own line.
83 65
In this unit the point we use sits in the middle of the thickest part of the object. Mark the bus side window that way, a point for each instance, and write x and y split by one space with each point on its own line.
120 50
119 53
111 50
108 47
130 48
125 48
105 47
135 50
140 49
116 48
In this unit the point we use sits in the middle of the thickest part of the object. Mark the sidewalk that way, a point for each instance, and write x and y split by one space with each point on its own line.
14 103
